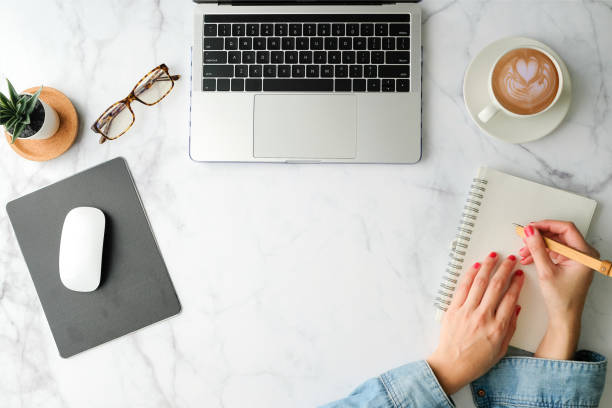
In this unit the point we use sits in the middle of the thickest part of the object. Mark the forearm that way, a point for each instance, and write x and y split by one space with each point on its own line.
560 341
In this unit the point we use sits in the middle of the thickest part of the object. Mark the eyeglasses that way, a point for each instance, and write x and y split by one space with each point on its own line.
119 117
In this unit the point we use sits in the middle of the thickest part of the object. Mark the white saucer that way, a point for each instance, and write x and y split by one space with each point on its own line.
502 126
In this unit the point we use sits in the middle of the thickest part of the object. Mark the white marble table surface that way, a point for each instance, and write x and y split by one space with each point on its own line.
297 282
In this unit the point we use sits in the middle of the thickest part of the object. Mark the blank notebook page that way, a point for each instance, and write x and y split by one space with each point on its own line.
500 200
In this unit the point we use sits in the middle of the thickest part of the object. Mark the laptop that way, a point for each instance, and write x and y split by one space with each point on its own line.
290 81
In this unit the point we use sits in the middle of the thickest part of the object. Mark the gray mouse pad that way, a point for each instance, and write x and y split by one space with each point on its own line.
135 288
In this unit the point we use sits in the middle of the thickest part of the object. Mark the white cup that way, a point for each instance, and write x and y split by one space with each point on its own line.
494 106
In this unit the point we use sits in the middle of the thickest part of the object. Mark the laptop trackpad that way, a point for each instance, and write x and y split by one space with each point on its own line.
305 126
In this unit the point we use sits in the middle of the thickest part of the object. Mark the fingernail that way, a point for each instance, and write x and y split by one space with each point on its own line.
519 273
529 230
492 254
512 257
518 310
476 265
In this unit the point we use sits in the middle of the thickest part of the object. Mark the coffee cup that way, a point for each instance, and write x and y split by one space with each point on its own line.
524 81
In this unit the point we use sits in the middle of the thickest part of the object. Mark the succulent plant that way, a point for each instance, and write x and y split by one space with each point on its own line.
15 110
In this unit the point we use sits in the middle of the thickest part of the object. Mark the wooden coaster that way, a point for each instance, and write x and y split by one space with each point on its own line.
47 149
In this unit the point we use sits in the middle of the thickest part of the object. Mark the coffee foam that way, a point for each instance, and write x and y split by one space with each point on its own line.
525 81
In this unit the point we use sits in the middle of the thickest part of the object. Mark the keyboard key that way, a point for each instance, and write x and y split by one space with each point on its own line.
295 30
341 71
245 43
403 43
253 85
345 43
280 29
373 85
259 43
238 30
367 29
223 84
248 57
327 71
338 30
213 43
397 57
234 57
388 43
277 57
305 57
298 85
348 57
378 57
263 57
215 57
352 30
231 43
288 43
399 30
323 29
225 30
301 43
331 43
267 29
310 29
359 85
252 30
210 30
237 84
363 57
373 43
223 71
356 71
370 71
320 57
342 85
291 57
334 57
274 43
388 85
269 71
403 85
284 71
359 43
297 71
316 43
381 29
209 85
312 71
394 71
241 71
254 71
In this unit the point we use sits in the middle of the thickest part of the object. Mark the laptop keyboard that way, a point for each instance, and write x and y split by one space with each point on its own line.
306 53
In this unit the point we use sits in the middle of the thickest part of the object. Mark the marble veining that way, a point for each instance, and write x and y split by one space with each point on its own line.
297 282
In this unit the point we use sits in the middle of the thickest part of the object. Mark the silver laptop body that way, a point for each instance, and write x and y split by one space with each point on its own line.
283 114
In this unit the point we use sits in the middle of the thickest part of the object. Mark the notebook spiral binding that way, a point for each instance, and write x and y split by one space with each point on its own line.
460 243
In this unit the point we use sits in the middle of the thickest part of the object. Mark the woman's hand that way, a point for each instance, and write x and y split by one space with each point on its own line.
479 323
564 284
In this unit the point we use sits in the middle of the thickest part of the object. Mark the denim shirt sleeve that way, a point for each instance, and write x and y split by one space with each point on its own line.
411 385
535 382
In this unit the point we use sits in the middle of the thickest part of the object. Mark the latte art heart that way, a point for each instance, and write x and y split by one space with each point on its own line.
525 81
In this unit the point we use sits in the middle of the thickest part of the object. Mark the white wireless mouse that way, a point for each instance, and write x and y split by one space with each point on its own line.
80 257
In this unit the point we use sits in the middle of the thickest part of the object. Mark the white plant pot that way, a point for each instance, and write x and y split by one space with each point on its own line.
50 124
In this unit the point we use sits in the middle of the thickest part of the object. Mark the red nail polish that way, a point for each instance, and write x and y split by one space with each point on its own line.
529 230
518 310
492 254
519 273
476 265
512 258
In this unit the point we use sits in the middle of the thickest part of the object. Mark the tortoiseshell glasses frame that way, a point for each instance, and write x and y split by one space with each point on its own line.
157 75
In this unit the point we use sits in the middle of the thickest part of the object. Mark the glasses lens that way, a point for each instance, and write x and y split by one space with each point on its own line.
152 88
116 120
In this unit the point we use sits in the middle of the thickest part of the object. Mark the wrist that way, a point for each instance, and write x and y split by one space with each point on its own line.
560 340
448 377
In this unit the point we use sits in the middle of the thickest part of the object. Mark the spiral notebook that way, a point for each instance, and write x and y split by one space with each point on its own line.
496 200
